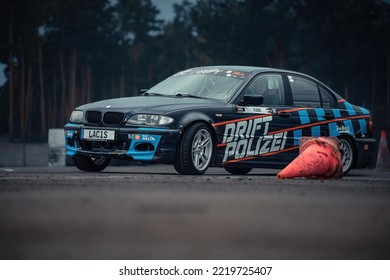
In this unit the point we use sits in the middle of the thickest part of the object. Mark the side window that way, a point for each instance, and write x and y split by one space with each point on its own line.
270 86
328 101
304 92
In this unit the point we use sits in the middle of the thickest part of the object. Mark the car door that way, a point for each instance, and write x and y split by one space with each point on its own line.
257 137
312 111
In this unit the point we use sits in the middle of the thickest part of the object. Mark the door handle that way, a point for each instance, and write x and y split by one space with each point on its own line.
284 115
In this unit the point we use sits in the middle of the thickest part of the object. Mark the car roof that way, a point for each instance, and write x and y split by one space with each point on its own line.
252 69
256 70
235 68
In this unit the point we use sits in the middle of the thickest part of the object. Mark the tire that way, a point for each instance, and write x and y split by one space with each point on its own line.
238 170
195 151
348 154
90 164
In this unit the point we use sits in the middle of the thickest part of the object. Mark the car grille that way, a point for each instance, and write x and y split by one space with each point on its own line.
93 116
113 118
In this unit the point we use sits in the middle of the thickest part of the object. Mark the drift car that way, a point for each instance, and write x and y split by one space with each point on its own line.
235 117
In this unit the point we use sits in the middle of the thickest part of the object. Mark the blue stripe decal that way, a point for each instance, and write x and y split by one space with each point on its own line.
304 117
297 136
336 113
363 126
316 131
320 114
364 110
350 109
333 131
349 124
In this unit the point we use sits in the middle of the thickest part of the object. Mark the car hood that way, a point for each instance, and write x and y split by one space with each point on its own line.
150 104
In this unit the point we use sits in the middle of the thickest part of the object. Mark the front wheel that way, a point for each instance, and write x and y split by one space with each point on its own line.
195 151
90 164
348 154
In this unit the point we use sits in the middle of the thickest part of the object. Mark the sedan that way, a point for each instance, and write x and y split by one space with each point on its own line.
235 117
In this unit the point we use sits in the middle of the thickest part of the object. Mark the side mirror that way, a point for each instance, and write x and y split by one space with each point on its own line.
142 91
254 100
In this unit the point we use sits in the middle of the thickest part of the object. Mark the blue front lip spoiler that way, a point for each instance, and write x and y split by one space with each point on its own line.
124 130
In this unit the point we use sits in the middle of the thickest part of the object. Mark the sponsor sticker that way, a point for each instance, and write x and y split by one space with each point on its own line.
257 110
250 138
342 128
144 137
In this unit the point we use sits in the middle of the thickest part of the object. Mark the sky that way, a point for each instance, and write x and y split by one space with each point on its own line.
165 7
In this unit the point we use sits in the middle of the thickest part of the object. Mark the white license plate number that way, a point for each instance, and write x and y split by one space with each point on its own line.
98 134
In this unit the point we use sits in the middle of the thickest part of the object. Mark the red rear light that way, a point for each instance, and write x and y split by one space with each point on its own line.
370 126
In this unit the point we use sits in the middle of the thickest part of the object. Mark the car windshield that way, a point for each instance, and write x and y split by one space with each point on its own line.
201 83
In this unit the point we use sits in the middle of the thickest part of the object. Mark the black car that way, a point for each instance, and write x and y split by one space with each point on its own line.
236 117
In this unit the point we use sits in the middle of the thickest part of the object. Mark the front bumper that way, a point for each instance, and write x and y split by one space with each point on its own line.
140 144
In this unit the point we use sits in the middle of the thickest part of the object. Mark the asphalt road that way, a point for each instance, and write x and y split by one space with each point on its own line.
150 212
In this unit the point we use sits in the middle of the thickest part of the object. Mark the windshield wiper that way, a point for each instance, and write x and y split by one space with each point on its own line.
153 94
184 94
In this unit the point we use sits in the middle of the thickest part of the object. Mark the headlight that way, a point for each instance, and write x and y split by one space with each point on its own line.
77 117
152 120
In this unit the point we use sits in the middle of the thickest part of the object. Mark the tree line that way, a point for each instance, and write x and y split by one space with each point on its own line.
62 53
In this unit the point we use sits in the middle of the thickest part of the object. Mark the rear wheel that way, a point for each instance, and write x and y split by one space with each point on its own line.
90 164
348 154
195 151
238 170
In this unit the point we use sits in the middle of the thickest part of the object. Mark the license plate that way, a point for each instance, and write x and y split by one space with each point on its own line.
98 134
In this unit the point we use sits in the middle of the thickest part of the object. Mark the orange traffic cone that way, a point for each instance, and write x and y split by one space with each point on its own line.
383 159
318 158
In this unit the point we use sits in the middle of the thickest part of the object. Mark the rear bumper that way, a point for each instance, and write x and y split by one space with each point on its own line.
366 152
